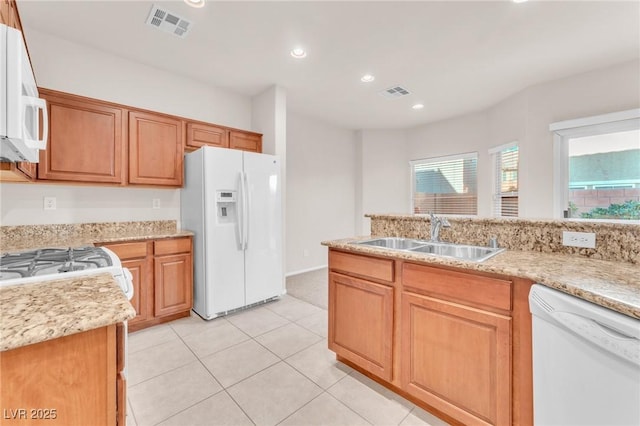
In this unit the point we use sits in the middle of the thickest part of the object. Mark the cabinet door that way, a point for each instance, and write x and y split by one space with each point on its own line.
86 141
17 172
5 8
70 380
457 359
30 170
9 14
142 278
173 284
245 141
361 323
206 135
137 256
121 380
155 149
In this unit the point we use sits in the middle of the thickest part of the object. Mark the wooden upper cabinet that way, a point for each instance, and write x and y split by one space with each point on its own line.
199 135
245 141
18 172
155 149
86 140
9 14
5 8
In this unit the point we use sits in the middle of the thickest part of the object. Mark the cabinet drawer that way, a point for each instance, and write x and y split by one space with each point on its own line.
460 286
171 246
245 141
202 134
365 266
129 250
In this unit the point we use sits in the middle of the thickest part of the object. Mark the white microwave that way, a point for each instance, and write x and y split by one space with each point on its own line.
20 105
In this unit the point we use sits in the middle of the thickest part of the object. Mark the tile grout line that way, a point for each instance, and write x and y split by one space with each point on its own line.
222 388
239 406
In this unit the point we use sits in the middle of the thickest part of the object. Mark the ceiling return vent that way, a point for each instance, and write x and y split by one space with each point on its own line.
168 21
394 92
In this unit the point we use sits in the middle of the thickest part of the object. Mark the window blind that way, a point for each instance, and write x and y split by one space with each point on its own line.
505 197
445 185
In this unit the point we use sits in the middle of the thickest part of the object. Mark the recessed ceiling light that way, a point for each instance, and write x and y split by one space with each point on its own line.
367 78
195 3
418 106
298 53
519 1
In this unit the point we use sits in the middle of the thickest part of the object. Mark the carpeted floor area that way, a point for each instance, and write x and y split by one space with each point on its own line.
312 287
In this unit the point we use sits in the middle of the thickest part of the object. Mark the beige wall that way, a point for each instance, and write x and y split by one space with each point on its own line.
384 180
525 117
321 184
598 92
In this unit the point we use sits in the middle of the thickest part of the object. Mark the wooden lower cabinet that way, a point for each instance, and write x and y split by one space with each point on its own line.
171 294
361 323
72 380
162 273
456 359
454 341
138 258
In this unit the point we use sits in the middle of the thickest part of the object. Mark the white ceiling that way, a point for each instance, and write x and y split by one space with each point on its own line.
455 57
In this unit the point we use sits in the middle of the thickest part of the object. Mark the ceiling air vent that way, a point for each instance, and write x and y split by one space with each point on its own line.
394 92
168 21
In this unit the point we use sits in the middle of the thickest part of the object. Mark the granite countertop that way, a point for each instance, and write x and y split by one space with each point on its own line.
36 242
33 313
614 285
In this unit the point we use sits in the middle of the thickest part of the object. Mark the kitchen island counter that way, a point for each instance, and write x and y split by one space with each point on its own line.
37 312
611 284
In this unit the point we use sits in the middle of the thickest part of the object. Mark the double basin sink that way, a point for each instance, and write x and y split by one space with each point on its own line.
450 250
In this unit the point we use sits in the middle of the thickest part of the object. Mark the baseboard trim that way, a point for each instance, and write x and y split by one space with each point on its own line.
315 268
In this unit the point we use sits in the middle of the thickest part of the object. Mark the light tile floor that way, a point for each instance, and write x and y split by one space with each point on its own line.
265 366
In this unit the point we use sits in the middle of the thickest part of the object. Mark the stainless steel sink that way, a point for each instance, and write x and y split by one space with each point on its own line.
394 243
455 251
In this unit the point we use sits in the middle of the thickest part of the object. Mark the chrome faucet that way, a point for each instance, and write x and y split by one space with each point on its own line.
436 224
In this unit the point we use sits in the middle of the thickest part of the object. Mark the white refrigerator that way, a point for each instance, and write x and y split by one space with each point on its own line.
231 199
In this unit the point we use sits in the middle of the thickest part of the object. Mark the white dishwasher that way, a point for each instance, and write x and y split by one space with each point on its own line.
586 362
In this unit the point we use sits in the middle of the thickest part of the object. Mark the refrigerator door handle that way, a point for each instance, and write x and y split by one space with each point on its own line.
246 210
240 212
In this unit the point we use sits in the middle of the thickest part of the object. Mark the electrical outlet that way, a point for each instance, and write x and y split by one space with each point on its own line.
579 239
305 253
49 203
156 203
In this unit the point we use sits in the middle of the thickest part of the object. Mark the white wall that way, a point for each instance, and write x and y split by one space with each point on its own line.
22 204
523 117
78 69
70 67
385 179
320 189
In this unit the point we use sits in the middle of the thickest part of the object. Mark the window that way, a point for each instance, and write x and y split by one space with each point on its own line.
597 165
505 182
445 185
